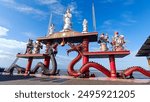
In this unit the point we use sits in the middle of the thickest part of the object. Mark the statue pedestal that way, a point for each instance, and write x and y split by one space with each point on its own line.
119 48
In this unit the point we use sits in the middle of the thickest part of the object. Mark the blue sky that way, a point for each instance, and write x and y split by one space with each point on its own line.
23 19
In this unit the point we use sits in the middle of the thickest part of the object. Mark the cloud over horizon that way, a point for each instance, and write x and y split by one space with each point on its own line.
3 31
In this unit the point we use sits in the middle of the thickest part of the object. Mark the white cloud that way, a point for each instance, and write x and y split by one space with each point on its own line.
11 44
107 23
47 2
107 1
128 19
73 7
8 50
28 9
30 35
58 8
21 7
111 25
3 31
8 1
124 2
5 54
54 5
129 2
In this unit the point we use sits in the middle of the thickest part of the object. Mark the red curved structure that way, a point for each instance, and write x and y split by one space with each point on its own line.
97 66
71 70
86 66
130 70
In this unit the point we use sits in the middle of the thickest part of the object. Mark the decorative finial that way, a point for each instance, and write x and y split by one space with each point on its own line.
67 20
85 26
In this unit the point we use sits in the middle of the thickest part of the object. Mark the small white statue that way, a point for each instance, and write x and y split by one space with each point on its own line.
85 26
67 20
118 42
29 47
37 47
116 36
103 40
106 38
51 29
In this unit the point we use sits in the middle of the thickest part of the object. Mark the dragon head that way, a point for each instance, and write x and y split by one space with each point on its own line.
77 48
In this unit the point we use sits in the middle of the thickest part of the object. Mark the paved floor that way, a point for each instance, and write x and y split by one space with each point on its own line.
65 80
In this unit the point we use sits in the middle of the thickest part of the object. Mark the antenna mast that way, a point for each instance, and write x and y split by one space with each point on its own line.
93 16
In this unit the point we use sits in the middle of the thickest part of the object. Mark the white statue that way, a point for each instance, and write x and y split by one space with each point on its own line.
51 29
67 20
37 47
85 26
103 40
118 42
106 38
116 36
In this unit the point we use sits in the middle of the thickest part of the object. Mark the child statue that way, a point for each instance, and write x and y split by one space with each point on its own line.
37 47
29 47
118 42
47 48
103 40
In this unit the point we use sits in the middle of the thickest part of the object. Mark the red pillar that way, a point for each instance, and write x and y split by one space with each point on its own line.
28 66
85 59
85 44
112 66
47 61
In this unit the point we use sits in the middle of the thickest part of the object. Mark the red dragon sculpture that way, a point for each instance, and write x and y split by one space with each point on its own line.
128 73
79 49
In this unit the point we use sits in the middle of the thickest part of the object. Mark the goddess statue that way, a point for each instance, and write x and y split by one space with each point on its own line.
67 20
